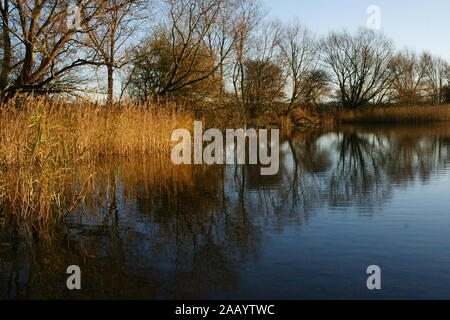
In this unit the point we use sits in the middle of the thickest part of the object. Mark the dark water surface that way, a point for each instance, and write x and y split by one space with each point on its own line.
343 200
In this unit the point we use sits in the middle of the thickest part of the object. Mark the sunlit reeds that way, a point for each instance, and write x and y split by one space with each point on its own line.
44 142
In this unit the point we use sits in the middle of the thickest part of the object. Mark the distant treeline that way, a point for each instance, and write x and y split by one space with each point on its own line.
211 53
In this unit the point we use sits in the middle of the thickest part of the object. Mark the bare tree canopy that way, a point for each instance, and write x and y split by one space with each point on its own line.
360 65
192 30
300 58
39 45
408 77
436 72
114 33
206 50
195 74
263 86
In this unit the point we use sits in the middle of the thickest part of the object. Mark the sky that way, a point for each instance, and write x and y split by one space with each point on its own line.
415 24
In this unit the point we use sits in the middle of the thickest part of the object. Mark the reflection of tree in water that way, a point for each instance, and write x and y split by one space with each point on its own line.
153 231
360 168
358 176
151 239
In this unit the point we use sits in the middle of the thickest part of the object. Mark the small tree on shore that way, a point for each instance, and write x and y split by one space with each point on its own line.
436 72
263 86
408 78
152 68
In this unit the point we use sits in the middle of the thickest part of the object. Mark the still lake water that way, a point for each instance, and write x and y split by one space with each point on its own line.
343 200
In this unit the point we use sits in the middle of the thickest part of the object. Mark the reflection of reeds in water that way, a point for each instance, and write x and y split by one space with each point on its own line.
119 259
44 142
416 131
394 114
138 175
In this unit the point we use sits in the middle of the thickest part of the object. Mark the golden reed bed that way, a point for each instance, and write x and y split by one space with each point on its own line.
50 146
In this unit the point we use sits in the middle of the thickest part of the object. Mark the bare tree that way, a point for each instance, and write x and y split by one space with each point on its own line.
264 79
249 16
190 23
264 84
258 78
6 45
314 87
113 33
39 48
155 62
193 47
408 77
222 40
300 59
436 71
359 64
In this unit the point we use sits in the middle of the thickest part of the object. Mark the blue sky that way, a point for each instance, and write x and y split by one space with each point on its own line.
415 24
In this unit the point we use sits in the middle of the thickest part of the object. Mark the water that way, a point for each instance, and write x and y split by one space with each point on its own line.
343 200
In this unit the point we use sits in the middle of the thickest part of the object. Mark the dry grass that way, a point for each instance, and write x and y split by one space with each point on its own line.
44 145
396 114
60 130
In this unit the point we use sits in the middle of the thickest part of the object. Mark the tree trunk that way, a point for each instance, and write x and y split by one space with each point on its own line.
110 98
5 68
